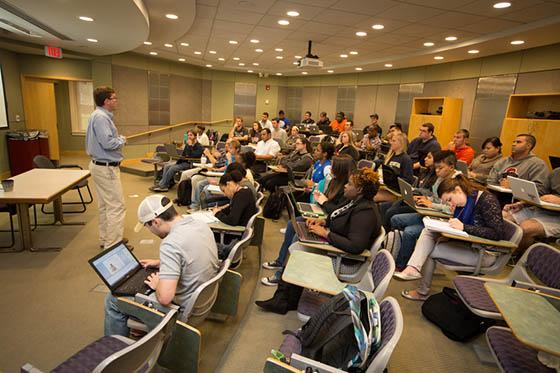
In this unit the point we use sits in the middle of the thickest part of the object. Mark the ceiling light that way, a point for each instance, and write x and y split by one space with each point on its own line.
208 65
343 56
212 52
92 40
147 43
517 42
258 50
295 63
233 42
292 13
171 16
388 65
255 41
378 27
353 53
304 73
279 49
438 58
358 69
361 33
502 5
473 51
236 58
87 19
279 74
330 71
168 45
185 44
279 57
153 53
182 59
241 64
221 59
283 22
298 57
255 64
428 44
451 38
249 71
198 52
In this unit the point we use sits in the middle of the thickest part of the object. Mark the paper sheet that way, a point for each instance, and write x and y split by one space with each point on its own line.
442 226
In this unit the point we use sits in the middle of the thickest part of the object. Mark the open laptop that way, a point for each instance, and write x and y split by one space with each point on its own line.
121 271
527 191
303 233
463 167
310 209
554 161
407 192
171 149
390 178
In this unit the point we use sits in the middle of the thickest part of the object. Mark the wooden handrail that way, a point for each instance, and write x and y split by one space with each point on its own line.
174 126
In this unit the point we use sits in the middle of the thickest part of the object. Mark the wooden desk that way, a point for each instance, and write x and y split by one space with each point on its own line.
498 188
396 194
40 186
481 241
532 317
312 271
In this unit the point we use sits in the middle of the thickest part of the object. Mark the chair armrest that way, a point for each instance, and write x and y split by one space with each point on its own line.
302 363
536 288
70 166
152 303
28 368
276 366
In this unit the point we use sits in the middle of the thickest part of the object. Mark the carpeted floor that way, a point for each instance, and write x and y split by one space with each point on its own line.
51 303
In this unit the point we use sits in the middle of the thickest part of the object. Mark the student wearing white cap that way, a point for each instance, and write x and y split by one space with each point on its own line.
188 257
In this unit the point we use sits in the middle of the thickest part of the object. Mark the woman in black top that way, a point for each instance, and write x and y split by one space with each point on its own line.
400 163
346 146
242 201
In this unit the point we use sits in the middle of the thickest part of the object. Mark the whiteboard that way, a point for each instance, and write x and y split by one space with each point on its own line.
3 105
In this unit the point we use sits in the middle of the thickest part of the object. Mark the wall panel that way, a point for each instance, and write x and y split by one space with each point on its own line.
186 96
386 104
310 101
327 101
538 82
131 86
365 105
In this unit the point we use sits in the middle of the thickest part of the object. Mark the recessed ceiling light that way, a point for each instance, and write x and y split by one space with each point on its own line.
212 52
249 71
343 56
198 52
378 27
233 42
171 16
283 22
428 44
502 5
221 59
451 38
208 65
236 58
258 50
298 57
87 19
292 13
361 33
353 53
358 69
279 57
295 63
330 71
255 41
388 65
438 58
153 53
279 49
517 42
147 43
279 74
304 73
182 59
473 51
168 45
241 64
255 64
185 44
92 40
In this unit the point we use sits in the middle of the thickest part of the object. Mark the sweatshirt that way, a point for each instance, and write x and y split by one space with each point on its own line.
553 183
482 165
418 149
530 168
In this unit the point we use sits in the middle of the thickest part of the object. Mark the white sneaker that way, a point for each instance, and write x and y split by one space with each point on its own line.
283 230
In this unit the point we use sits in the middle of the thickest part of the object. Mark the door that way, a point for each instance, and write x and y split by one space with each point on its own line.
39 106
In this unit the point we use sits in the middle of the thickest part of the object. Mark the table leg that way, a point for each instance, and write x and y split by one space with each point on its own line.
24 226
59 214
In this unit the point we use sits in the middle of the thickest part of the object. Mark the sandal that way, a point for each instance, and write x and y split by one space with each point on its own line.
418 297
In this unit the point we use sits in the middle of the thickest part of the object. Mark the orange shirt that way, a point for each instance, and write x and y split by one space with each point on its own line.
466 154
338 127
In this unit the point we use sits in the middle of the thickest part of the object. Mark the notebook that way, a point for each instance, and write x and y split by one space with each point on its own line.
121 271
441 226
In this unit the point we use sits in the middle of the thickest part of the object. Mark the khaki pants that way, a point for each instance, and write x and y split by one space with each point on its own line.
110 201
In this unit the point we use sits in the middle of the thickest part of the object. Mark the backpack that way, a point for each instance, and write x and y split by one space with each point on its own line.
184 190
332 336
455 320
274 205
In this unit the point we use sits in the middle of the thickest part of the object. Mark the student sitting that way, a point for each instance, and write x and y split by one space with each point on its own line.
285 121
300 160
255 132
371 142
535 221
192 149
394 129
351 228
201 137
339 123
374 122
307 120
278 133
481 165
324 122
242 203
330 200
425 143
266 150
459 145
346 146
321 172
291 141
238 132
476 212
399 161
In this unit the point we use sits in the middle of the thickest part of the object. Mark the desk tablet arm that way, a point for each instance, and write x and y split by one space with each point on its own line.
536 288
153 304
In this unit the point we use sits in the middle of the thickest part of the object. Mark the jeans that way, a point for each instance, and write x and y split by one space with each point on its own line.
390 209
169 171
411 226
115 320
289 237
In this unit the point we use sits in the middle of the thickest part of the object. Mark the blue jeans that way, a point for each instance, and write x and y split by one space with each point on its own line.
115 319
390 209
289 237
411 226
169 171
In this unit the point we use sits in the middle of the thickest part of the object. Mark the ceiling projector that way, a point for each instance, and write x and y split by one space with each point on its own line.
309 60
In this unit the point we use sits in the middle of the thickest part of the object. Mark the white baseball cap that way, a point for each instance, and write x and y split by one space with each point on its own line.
150 208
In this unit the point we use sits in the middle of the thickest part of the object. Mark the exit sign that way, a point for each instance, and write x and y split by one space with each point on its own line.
53 52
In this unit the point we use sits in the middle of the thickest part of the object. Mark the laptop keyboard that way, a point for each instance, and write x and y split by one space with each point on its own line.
136 284
306 234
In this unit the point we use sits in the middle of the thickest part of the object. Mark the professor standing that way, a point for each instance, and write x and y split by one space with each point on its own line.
104 146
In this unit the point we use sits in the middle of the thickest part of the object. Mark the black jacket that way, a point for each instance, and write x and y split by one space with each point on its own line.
418 150
241 207
191 151
355 229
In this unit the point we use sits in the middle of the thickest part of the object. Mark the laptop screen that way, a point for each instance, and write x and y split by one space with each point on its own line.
115 264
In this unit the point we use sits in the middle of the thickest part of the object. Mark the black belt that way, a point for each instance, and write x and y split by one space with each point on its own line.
113 164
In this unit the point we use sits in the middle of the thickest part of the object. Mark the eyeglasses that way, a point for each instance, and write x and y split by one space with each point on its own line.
114 98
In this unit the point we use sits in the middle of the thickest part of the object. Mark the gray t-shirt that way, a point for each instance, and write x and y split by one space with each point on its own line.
189 254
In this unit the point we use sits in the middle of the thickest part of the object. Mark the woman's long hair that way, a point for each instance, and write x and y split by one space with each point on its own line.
342 167
403 140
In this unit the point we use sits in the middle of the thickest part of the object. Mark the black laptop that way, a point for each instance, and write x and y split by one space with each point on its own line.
554 161
121 271
390 178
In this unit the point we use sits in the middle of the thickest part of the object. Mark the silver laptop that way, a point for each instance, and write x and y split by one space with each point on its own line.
303 233
407 193
310 209
527 191
463 167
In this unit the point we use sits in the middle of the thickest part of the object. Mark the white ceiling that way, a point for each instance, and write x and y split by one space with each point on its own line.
209 25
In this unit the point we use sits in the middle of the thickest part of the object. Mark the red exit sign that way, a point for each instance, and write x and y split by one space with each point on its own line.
53 52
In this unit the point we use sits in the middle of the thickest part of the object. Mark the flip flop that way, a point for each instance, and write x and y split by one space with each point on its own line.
407 277
420 298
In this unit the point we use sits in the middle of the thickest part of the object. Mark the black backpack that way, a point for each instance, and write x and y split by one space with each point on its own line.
184 190
274 205
455 320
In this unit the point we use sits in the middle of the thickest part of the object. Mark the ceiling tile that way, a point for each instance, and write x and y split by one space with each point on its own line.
305 12
489 26
534 13
341 42
323 28
453 19
442 4
390 25
272 21
205 12
395 39
369 7
316 37
239 16
411 13
340 18
317 3
257 6
485 8
208 2
226 26
200 27
415 29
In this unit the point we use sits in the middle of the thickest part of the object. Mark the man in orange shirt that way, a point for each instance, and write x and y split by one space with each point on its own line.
339 123
459 145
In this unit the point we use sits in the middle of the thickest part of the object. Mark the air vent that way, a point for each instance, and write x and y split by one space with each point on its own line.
21 23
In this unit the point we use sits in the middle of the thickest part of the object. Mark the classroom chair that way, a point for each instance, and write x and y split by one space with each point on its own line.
353 271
